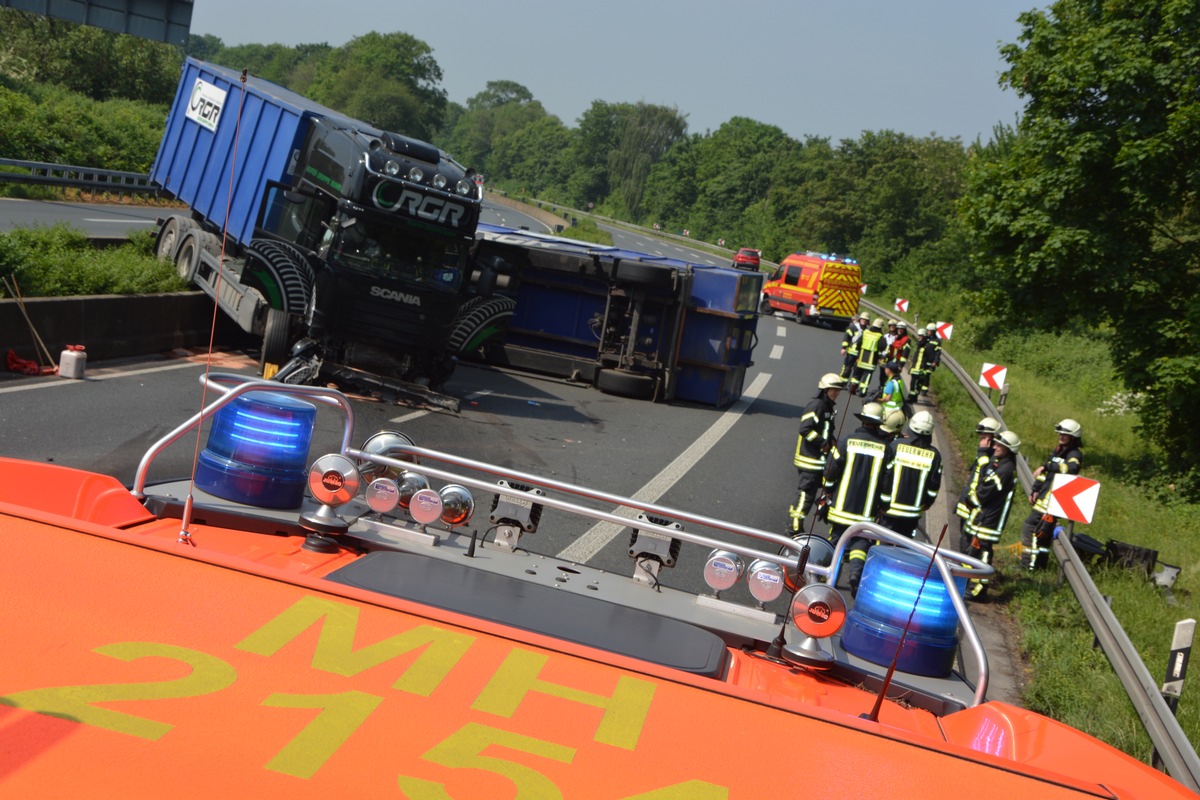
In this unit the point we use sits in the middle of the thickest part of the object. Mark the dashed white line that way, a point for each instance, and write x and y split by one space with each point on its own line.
777 352
600 534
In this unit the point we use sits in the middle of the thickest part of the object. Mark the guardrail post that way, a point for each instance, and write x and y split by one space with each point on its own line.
1003 398
1172 688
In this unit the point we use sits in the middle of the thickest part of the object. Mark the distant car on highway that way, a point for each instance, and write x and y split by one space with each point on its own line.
747 258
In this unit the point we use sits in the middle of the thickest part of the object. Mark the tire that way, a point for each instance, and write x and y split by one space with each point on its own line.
623 383
187 255
170 236
764 307
275 341
648 276
288 268
479 321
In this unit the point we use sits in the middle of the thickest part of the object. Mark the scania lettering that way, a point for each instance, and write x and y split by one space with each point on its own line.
347 247
392 294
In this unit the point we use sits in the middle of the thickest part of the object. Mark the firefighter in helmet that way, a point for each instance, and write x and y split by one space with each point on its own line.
850 342
871 347
913 480
1038 528
812 444
986 429
990 498
924 359
854 482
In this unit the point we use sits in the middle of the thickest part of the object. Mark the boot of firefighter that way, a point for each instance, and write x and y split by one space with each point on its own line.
854 569
1040 555
977 589
798 511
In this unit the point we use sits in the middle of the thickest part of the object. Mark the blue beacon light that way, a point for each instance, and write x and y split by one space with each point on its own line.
257 451
891 581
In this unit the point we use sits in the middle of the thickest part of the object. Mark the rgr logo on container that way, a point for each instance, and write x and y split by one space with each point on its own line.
205 104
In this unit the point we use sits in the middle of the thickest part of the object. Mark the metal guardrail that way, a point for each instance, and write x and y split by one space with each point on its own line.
1176 753
66 176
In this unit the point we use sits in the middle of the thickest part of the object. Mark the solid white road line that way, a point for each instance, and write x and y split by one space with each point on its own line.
600 534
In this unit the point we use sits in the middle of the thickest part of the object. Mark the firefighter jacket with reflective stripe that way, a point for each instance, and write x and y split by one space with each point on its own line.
854 476
1065 460
851 337
912 481
924 357
991 496
816 434
983 457
871 348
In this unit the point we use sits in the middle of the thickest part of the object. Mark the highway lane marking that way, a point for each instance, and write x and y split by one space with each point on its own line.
123 220
781 331
101 375
593 541
777 352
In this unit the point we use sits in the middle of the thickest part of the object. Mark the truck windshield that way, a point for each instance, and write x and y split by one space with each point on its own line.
393 251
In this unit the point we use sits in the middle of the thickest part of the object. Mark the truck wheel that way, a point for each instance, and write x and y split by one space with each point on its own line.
187 256
276 333
764 307
479 321
288 269
623 383
171 235
650 276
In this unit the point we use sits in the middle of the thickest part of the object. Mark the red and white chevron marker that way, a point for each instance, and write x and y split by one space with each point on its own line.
944 329
1073 497
992 376
862 288
901 305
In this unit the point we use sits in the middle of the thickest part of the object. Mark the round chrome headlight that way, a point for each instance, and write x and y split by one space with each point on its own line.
439 180
410 483
723 569
464 187
458 505
416 174
392 168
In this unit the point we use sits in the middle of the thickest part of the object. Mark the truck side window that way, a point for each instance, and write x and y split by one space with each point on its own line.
793 276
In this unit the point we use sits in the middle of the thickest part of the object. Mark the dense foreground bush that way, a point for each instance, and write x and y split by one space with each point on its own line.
61 262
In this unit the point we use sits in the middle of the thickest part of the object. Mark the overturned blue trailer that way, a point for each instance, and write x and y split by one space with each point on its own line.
629 323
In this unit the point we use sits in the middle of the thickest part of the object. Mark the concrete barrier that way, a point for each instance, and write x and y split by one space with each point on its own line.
112 326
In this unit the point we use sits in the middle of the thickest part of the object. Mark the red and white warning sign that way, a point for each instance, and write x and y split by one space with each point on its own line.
901 305
992 376
1073 497
862 288
944 329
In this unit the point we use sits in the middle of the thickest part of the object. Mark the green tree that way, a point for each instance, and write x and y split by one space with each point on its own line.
499 111
616 145
1091 211
101 64
372 70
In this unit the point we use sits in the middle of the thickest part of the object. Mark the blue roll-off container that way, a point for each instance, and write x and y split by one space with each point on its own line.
193 163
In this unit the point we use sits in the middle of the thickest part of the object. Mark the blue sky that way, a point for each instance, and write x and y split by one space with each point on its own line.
832 68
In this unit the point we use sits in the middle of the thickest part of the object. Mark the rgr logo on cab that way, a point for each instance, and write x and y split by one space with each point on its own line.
205 104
